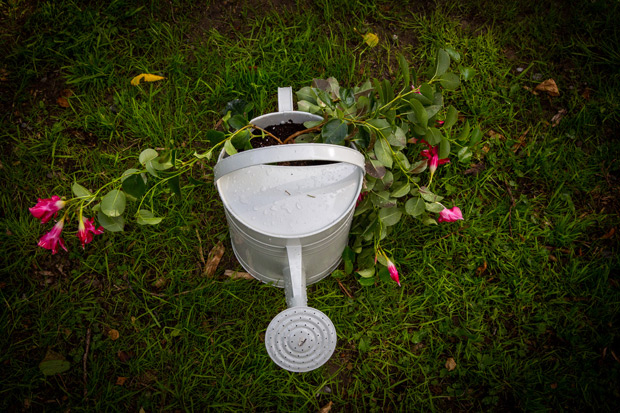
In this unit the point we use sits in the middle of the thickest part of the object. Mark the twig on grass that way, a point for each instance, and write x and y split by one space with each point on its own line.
344 289
84 362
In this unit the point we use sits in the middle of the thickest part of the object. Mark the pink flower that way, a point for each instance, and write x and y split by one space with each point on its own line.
433 158
45 209
51 240
86 230
393 271
360 198
440 122
450 215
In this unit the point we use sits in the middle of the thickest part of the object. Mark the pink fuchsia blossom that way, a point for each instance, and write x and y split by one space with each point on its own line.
439 122
433 158
45 209
51 240
450 215
393 271
86 230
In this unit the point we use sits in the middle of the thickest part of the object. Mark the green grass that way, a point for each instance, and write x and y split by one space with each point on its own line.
523 294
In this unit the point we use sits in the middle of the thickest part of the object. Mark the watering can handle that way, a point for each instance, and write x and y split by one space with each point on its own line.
288 153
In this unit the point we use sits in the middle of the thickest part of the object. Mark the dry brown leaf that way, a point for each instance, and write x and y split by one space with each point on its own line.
146 77
124 356
450 364
549 87
482 269
609 234
238 275
120 381
555 120
160 282
213 260
326 408
66 93
113 334
493 134
62 102
475 169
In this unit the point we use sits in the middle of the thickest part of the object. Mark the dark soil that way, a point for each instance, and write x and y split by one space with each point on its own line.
282 132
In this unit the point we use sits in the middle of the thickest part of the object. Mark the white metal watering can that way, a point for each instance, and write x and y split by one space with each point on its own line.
289 226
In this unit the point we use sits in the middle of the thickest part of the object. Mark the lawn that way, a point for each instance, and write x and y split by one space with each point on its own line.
517 307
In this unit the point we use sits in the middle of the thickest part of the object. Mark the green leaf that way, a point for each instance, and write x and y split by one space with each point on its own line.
146 155
428 196
338 274
404 70
366 282
401 190
401 158
476 136
347 97
397 138
451 117
306 106
420 98
450 81
427 91
442 64
415 206
151 169
464 154
175 185
237 122
334 132
367 273
433 136
388 90
444 148
207 154
420 113
464 135
432 110
229 148
383 152
434 207
390 216
112 224
53 363
162 162
307 94
133 184
384 275
214 136
80 192
324 97
426 220
453 54
146 217
241 139
348 257
467 73
113 204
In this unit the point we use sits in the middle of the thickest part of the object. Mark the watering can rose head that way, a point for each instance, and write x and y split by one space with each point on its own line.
404 131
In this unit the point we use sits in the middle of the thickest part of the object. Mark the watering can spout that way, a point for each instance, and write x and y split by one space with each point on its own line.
294 276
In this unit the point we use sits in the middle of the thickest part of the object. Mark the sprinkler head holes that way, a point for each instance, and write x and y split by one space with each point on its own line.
300 339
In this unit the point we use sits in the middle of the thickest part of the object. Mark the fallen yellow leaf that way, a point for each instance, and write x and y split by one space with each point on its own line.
213 260
146 77
371 39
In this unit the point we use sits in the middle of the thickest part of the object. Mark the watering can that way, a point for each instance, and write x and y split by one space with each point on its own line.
289 226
